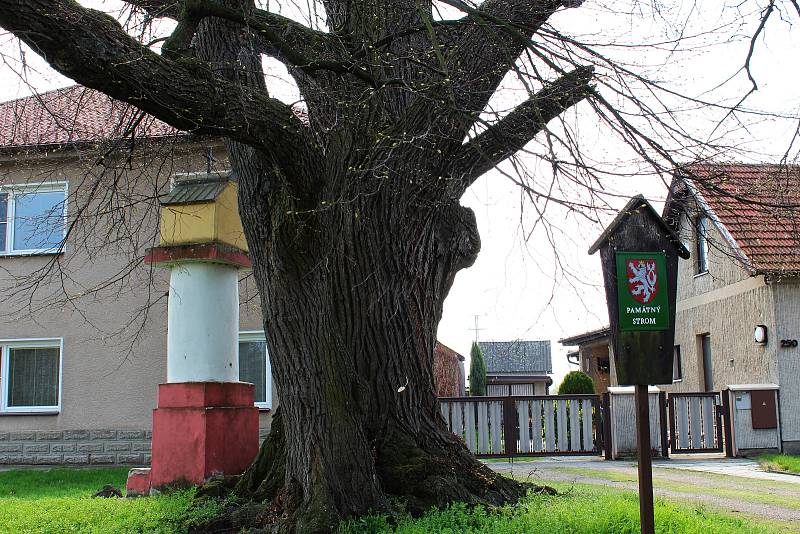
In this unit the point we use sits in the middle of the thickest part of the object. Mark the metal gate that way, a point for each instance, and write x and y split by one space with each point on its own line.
526 425
695 422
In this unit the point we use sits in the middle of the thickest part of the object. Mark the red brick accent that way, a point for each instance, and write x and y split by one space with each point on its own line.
201 252
205 395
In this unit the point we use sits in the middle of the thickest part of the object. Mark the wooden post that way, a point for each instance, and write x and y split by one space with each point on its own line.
645 460
727 421
662 409
510 426
607 439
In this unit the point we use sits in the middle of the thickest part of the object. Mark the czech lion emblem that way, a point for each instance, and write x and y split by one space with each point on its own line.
642 279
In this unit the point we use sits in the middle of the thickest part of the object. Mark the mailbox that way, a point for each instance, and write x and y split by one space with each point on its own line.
763 409
754 418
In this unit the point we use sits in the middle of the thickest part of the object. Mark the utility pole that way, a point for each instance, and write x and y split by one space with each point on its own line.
476 329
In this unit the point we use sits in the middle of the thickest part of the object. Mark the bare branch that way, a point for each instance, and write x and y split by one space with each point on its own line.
276 33
273 33
492 38
510 134
158 8
91 48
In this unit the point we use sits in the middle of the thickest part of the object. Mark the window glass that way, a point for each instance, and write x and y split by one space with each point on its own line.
3 219
702 244
708 371
677 365
38 220
33 377
253 367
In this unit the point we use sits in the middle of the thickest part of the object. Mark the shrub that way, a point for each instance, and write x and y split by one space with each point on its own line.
477 371
576 383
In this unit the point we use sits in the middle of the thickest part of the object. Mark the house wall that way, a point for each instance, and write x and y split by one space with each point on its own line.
787 326
730 320
726 302
502 390
589 355
114 339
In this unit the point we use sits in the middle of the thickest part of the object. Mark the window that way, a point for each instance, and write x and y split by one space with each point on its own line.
32 218
30 375
701 242
705 354
677 365
254 366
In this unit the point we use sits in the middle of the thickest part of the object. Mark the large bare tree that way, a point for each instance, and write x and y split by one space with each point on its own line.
352 213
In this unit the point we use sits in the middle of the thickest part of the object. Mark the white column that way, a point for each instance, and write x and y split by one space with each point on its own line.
203 323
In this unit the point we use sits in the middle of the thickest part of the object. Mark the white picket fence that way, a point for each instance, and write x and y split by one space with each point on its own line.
529 425
695 424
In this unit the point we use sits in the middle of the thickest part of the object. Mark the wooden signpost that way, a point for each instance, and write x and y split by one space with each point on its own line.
639 253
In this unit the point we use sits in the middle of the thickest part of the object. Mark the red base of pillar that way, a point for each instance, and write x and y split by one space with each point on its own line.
138 484
201 429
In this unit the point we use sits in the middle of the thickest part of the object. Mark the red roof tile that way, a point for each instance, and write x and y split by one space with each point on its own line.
73 115
78 114
759 205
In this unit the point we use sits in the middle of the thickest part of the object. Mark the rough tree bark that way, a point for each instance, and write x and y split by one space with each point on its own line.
353 220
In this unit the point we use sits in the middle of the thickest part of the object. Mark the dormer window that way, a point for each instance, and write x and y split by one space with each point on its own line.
701 245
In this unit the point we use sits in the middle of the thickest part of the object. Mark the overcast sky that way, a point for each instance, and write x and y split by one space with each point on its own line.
517 288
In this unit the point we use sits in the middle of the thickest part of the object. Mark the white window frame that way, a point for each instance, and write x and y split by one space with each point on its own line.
677 364
33 343
12 190
258 335
701 245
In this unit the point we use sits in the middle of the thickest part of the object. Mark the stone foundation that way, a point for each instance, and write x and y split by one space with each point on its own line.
75 447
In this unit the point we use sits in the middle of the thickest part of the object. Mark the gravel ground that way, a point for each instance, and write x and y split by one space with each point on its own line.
742 492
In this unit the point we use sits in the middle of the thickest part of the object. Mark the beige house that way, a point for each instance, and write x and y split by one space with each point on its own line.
594 356
738 301
82 318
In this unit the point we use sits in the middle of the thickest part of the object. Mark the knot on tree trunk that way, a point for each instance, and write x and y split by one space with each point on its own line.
458 238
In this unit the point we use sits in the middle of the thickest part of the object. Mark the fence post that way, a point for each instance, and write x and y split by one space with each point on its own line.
726 416
673 443
662 417
607 439
510 426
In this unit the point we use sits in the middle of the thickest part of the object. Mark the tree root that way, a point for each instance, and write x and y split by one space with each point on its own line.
414 479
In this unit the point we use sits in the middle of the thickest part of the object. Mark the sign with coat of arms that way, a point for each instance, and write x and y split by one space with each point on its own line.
642 291
639 254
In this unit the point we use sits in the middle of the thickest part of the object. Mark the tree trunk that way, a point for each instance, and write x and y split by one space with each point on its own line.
352 294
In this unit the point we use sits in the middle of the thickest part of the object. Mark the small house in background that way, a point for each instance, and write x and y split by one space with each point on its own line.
448 372
517 367
593 357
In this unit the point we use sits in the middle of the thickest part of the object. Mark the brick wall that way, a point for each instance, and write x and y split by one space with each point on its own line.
75 447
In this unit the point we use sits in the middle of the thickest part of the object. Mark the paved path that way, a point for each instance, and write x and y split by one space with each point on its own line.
738 467
736 486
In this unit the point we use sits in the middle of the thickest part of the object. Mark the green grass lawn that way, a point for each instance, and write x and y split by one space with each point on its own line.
763 496
579 509
59 500
780 462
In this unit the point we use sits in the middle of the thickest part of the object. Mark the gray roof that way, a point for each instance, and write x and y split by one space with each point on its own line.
523 357
191 188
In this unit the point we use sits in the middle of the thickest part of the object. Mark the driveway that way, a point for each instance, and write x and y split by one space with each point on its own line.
734 486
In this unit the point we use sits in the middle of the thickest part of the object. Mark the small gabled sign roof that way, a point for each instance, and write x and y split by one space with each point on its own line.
634 204
198 187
